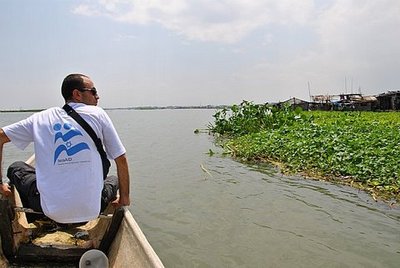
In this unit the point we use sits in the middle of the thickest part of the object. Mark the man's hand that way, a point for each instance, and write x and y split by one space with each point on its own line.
123 180
5 189
119 202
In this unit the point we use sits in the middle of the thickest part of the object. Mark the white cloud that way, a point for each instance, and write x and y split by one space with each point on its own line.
360 38
86 10
364 28
206 20
354 39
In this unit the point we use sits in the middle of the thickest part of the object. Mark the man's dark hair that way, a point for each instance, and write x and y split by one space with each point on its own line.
71 82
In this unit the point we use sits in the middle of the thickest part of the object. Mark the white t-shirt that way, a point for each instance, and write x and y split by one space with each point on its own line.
68 166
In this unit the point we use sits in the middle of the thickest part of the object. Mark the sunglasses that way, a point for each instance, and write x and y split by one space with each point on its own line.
93 90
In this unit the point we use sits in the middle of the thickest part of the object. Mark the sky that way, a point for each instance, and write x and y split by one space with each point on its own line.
197 52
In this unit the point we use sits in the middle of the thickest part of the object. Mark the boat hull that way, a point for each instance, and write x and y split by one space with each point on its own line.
116 233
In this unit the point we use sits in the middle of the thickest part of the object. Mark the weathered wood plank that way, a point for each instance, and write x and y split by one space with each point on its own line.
28 253
112 230
6 231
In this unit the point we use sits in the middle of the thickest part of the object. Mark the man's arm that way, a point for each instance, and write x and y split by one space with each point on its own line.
4 185
123 180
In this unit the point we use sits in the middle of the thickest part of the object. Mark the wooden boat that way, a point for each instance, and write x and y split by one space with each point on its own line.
43 243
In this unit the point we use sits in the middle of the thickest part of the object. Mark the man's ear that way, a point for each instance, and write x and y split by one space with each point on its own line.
76 95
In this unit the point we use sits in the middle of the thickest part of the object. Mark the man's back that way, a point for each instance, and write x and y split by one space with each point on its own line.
68 165
68 182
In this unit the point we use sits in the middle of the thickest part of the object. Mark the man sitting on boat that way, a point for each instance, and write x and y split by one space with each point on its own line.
67 184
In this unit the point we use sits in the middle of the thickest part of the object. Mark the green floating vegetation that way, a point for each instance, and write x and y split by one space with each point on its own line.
360 148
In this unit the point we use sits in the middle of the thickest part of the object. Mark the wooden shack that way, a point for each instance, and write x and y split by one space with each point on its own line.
357 102
389 100
295 102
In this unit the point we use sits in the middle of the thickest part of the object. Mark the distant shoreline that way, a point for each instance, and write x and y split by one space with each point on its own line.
21 111
170 107
132 108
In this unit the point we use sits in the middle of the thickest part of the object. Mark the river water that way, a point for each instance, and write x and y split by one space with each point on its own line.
199 210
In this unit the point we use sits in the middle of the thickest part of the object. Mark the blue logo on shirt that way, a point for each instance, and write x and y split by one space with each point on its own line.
67 146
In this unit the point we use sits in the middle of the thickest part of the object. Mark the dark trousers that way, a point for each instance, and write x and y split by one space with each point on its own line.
23 177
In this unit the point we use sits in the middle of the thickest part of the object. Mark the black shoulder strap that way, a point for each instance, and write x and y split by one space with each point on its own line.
71 112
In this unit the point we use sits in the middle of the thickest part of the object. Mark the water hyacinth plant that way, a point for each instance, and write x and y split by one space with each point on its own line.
352 147
249 118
